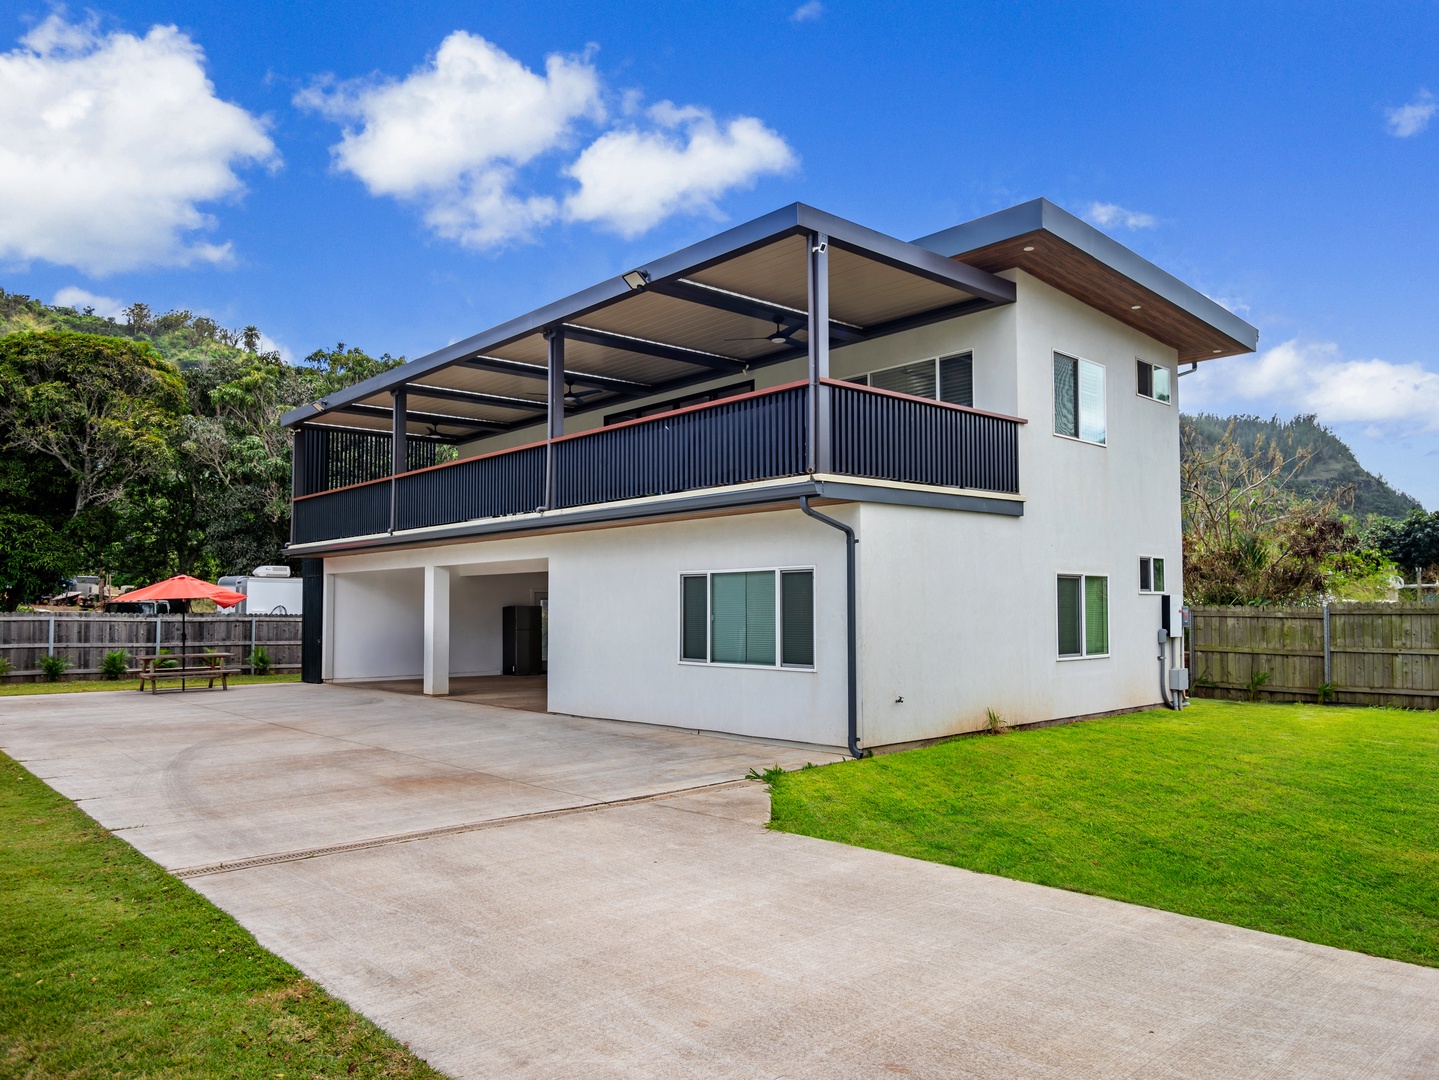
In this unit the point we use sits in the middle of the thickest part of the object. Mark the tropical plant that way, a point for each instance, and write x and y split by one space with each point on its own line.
52 667
260 660
115 664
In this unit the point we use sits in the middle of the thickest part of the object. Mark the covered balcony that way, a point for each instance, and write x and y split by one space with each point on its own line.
694 381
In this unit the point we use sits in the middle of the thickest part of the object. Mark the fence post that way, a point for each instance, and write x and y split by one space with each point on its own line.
157 634
1328 652
50 641
251 657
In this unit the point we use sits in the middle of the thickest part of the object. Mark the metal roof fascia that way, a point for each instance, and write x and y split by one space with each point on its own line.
1042 214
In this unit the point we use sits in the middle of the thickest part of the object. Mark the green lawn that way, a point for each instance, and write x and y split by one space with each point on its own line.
114 968
83 686
1319 823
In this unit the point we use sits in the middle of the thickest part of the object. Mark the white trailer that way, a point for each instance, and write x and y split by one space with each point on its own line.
270 590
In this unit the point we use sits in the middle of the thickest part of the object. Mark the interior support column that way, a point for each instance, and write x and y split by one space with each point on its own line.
437 630
555 408
399 450
818 456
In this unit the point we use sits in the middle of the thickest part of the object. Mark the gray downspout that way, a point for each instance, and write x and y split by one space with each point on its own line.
851 628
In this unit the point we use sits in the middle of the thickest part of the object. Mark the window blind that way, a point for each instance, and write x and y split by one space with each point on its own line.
1096 616
1071 629
695 618
1066 396
916 379
797 618
742 618
956 379
759 618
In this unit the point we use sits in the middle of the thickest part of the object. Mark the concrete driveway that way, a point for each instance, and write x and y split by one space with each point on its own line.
519 894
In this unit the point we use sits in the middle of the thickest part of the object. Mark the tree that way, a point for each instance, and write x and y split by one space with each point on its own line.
35 558
102 408
1412 543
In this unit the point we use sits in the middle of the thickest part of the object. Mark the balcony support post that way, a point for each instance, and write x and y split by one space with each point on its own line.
437 631
297 472
818 456
399 451
555 408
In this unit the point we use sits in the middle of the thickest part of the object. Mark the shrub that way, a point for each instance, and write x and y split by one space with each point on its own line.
115 664
52 667
260 660
1256 684
4 666
1325 692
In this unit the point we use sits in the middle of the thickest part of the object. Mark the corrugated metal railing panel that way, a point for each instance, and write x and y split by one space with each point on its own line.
352 511
335 458
916 442
753 438
493 486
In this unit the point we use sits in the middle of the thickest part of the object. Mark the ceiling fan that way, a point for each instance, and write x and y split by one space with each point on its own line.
573 399
783 335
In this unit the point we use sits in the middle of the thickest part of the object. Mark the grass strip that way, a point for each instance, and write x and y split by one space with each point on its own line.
1320 823
86 686
114 968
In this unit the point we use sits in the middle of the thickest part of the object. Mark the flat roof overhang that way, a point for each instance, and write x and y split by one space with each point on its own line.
709 311
1075 257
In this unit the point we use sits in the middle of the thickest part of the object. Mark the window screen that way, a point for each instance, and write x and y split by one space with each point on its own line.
1158 575
742 618
1091 402
916 379
1066 396
1071 614
1096 616
956 379
695 645
797 618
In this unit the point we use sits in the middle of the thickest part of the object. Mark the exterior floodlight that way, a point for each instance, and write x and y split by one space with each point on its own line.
637 279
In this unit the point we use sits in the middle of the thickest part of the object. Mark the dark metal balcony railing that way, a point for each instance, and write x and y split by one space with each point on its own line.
760 436
891 436
754 437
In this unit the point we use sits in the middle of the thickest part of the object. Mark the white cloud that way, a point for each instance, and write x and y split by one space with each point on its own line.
463 136
109 144
1107 215
451 135
630 179
105 306
808 12
1413 118
1315 378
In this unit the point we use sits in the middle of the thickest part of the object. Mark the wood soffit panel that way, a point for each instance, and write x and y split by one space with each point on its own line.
1060 264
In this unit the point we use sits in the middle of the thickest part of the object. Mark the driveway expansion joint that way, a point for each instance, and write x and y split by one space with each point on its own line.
276 858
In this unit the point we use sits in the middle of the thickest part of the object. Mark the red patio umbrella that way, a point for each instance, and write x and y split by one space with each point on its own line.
185 587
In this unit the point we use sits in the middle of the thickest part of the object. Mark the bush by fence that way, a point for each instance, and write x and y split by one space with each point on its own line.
1365 654
83 638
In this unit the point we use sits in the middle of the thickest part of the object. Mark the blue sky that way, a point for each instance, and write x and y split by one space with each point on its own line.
397 177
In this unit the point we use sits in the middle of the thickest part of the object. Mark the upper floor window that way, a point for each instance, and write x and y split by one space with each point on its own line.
1151 574
1153 381
1078 399
946 378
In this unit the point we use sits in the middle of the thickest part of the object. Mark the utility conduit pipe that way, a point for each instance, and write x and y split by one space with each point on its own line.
851 628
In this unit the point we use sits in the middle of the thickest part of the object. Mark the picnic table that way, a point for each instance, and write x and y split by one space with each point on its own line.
193 666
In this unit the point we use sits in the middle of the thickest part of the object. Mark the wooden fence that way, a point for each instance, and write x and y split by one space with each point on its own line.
1368 654
84 638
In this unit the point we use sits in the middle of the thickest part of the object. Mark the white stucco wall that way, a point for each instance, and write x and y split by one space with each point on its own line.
376 624
614 602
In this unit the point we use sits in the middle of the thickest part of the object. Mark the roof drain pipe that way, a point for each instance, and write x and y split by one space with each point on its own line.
851 628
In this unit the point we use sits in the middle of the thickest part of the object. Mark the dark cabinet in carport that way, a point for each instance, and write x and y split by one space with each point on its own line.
522 633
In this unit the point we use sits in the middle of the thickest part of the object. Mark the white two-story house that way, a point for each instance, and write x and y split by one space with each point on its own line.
801 481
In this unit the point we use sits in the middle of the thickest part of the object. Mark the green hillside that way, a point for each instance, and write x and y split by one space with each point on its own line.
1333 465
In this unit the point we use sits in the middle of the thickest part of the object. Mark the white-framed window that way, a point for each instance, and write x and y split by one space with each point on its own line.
1079 399
754 618
1153 381
1083 615
1151 573
944 378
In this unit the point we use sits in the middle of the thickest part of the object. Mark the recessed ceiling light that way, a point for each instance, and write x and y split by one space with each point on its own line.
1218 350
1030 248
1133 307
